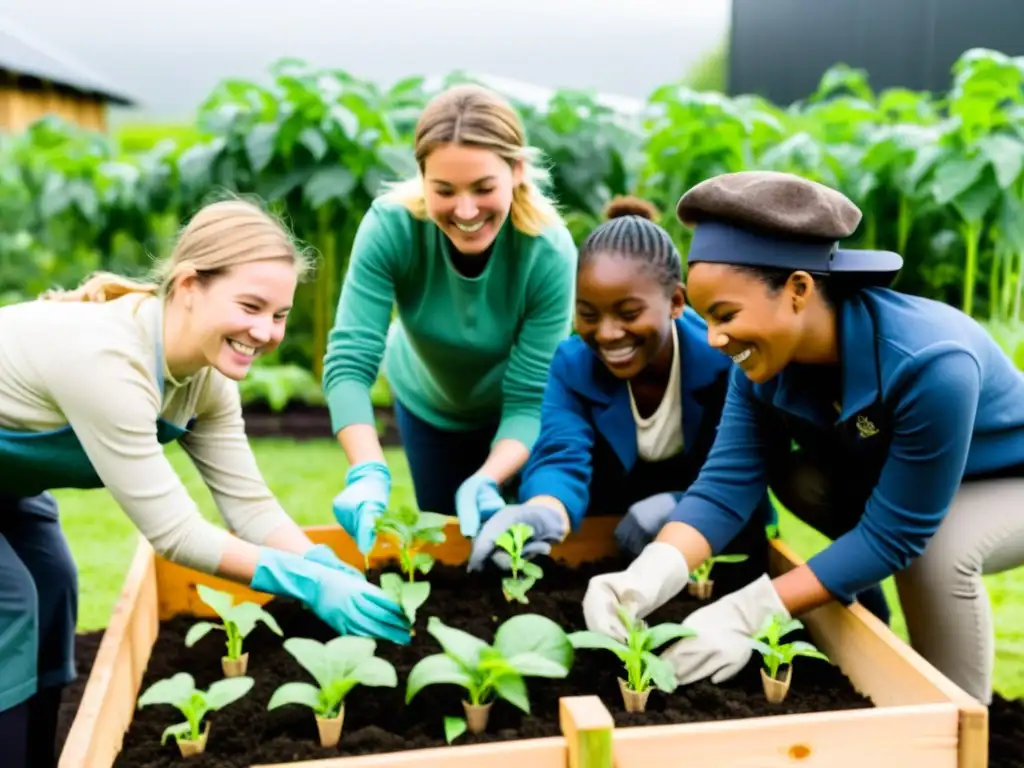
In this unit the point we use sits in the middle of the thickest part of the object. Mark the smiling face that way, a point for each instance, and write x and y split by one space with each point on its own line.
625 314
760 327
468 193
239 314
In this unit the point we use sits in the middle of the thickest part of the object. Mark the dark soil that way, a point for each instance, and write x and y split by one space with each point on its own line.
299 421
378 721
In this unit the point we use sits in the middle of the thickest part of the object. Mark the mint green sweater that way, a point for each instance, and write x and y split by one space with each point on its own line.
463 352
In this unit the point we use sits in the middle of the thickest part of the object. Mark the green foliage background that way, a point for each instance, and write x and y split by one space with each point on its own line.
940 178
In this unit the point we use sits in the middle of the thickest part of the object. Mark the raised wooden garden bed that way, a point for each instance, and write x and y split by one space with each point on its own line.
881 705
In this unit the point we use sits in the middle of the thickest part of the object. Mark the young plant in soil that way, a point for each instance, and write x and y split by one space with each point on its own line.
410 530
337 666
180 692
528 645
512 541
700 584
408 594
237 622
644 670
776 654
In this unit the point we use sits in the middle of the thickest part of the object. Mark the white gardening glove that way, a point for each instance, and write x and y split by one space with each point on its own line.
655 577
721 647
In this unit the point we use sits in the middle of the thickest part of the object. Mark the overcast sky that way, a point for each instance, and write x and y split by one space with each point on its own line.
169 54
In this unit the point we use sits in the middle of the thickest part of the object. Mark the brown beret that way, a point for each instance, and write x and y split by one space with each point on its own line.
772 202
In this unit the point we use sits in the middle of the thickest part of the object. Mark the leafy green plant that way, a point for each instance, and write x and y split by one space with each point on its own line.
337 666
700 584
524 573
181 693
528 645
776 654
410 530
408 594
237 622
644 670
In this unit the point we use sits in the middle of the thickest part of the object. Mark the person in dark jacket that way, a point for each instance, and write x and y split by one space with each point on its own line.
632 402
892 424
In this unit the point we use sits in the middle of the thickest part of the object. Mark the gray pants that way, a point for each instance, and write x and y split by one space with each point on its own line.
943 597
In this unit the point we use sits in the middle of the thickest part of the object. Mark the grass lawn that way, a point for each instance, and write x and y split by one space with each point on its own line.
306 476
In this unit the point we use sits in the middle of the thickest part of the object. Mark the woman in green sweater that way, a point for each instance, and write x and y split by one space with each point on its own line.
482 270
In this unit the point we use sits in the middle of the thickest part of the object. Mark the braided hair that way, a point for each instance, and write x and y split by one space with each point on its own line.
631 232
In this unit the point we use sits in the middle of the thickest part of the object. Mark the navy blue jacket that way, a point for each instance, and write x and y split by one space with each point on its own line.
586 407
952 408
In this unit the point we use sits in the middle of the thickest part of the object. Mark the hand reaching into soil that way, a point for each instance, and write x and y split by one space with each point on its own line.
549 526
656 576
722 646
477 499
350 605
366 494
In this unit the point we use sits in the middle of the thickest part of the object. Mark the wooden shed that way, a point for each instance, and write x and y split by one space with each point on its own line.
36 80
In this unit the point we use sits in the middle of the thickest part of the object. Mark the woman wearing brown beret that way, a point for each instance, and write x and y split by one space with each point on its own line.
892 424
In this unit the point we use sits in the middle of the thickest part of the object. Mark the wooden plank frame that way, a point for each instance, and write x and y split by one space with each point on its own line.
920 717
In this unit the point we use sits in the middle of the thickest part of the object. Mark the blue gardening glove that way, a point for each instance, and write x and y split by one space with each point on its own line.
477 499
349 605
365 498
644 520
324 555
724 628
549 526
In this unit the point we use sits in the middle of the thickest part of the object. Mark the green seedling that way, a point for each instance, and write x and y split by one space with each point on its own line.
700 584
408 594
776 654
180 692
528 645
237 622
410 530
644 670
337 666
524 573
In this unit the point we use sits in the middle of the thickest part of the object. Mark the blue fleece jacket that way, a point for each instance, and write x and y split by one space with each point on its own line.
955 403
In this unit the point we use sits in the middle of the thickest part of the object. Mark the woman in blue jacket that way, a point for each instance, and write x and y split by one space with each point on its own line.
891 423
632 402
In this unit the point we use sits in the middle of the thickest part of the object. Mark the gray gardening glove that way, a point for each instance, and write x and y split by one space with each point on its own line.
722 646
650 581
549 526
644 520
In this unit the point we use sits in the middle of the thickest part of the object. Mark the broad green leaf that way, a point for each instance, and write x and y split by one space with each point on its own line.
198 631
532 570
955 176
975 204
730 558
259 145
312 656
660 671
531 664
314 141
376 671
1006 153
181 731
588 639
295 693
457 643
172 690
453 728
228 690
536 633
221 602
435 670
245 616
512 688
327 184
661 634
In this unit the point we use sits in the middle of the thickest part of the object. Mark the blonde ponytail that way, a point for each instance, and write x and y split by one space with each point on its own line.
473 116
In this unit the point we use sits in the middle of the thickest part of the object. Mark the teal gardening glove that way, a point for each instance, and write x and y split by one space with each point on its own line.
477 499
321 553
365 498
348 604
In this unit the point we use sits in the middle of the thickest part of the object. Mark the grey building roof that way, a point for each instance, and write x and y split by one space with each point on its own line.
22 54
